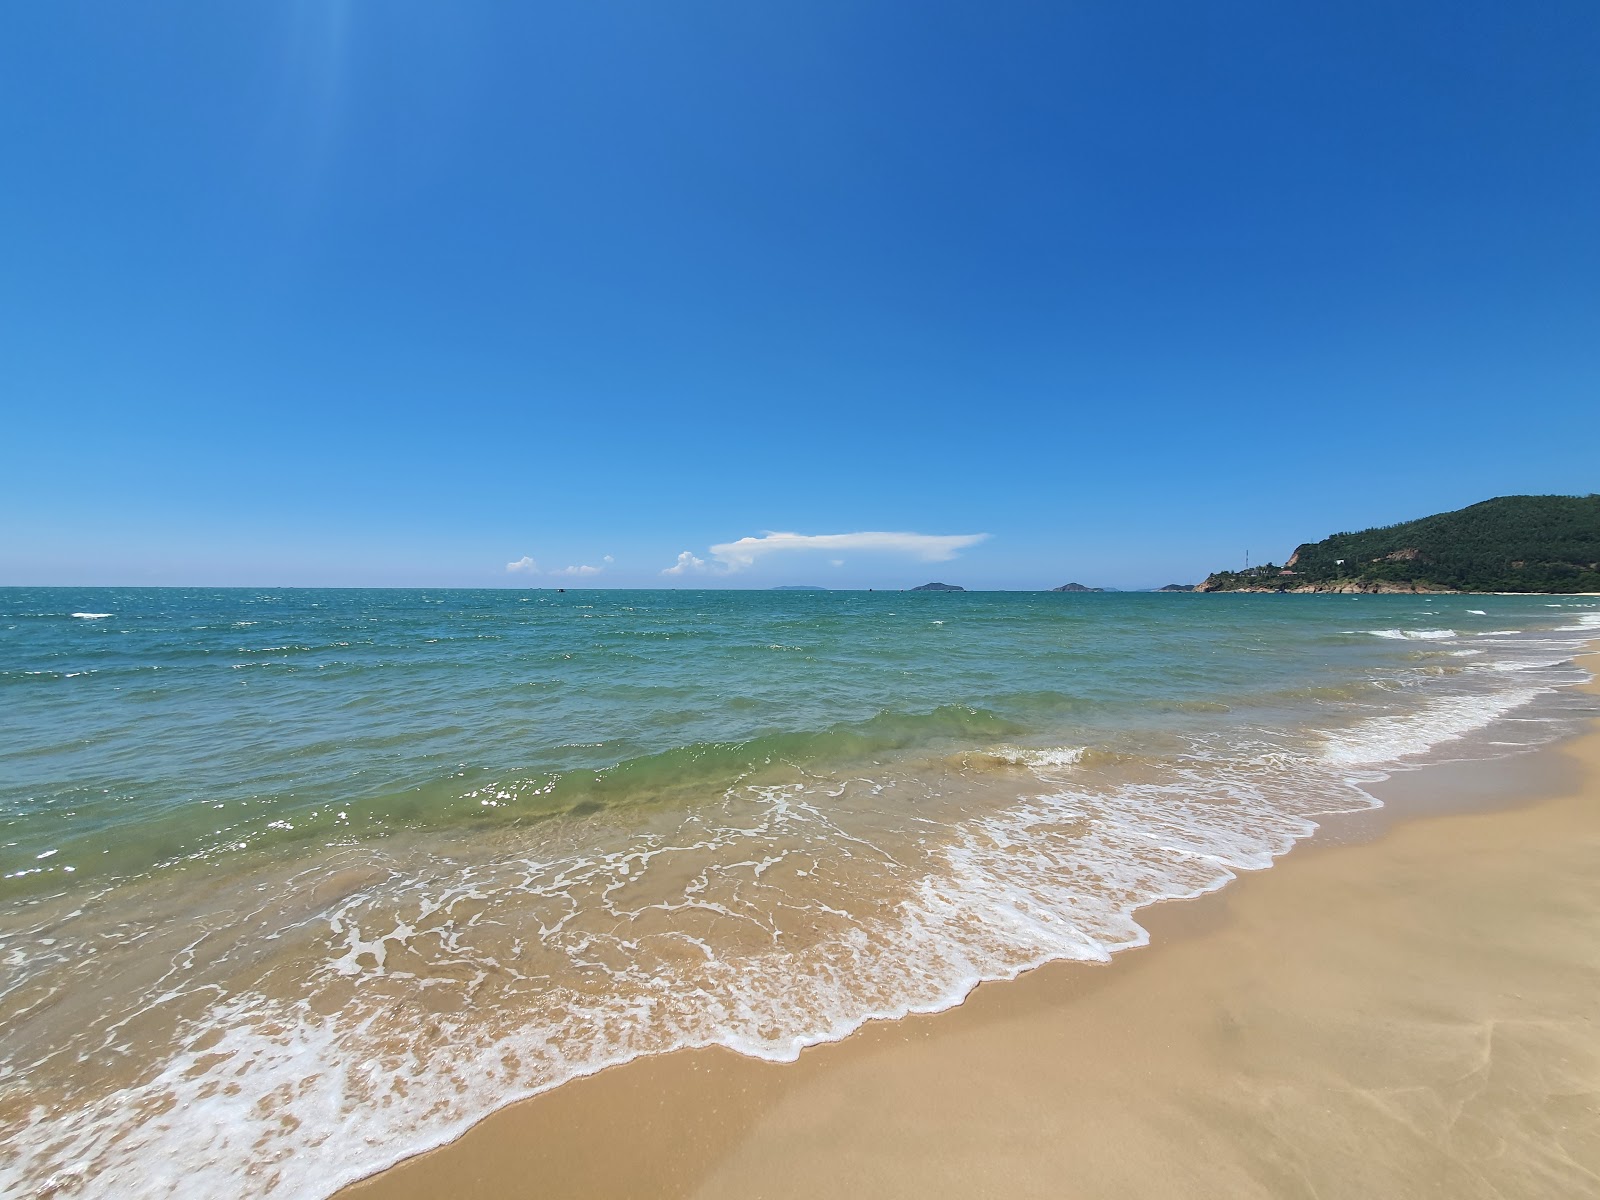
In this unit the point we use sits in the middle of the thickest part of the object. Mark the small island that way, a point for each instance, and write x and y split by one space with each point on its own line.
1508 544
1076 587
1177 587
938 587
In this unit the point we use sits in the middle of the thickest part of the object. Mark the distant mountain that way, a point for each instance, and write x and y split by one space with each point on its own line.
938 587
799 587
1076 587
1177 587
1508 544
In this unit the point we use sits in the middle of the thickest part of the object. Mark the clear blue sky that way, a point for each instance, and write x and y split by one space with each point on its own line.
399 293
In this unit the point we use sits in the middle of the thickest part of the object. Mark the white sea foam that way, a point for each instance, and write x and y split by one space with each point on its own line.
1477 612
1051 756
1411 634
1523 664
91 616
1391 738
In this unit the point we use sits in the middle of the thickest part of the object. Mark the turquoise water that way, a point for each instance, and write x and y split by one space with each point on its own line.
123 732
556 830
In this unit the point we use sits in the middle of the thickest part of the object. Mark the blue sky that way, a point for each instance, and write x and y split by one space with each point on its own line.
400 293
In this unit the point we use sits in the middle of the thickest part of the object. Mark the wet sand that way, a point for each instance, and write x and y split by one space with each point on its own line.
1406 1007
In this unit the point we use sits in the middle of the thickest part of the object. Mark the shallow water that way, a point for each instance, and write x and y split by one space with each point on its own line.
296 883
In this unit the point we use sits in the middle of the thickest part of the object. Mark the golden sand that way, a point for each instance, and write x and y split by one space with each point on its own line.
1403 1008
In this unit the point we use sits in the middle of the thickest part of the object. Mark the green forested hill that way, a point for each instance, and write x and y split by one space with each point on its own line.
1508 544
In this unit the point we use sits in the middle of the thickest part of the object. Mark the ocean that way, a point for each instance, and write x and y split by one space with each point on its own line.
296 883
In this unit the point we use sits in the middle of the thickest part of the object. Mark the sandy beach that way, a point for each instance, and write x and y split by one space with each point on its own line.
1405 1006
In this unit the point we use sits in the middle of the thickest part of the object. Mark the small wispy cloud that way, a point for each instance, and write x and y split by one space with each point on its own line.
527 566
925 547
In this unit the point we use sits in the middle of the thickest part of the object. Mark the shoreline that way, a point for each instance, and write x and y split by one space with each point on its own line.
1314 590
711 1122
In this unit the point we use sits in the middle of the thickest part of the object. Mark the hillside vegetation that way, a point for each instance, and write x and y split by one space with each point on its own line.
1508 544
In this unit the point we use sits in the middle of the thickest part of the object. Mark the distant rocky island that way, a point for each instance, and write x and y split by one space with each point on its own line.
1075 587
1508 544
938 587
1177 587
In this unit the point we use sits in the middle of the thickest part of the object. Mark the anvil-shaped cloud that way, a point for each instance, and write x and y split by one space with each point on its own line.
736 556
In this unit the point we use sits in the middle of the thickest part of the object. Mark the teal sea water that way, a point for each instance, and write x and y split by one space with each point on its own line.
296 883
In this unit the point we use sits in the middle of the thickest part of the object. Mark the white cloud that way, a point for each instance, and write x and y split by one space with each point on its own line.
925 547
608 560
686 562
526 566
836 562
